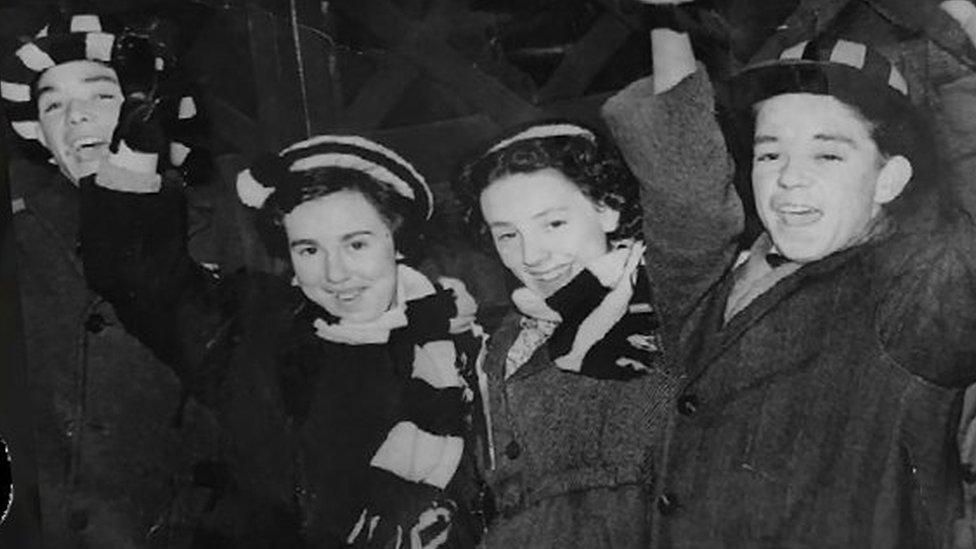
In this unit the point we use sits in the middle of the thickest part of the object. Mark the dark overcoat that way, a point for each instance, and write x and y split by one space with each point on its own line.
116 439
824 413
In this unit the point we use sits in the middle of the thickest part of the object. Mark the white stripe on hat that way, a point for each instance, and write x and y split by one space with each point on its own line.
795 52
34 58
545 130
86 23
43 32
98 46
160 64
12 91
358 163
849 53
375 147
25 128
187 109
897 81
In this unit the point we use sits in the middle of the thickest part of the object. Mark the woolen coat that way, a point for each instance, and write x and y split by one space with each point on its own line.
823 413
573 455
116 438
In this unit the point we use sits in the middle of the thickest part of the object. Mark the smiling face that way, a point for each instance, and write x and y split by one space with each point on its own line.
818 177
78 107
544 228
343 255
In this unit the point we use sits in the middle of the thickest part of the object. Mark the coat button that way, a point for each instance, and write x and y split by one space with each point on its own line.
95 323
667 504
513 450
688 404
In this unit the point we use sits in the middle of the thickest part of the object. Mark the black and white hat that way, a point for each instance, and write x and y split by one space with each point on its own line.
81 37
848 70
256 184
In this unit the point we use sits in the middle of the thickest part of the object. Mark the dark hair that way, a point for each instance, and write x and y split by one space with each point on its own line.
594 166
398 211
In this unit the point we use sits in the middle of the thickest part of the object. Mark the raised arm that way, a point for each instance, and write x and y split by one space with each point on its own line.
134 254
666 128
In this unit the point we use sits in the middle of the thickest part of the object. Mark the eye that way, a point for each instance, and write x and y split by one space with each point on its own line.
766 156
359 244
830 157
306 251
502 237
51 106
107 96
557 223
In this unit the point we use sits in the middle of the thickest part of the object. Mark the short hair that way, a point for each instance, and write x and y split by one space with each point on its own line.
397 211
593 165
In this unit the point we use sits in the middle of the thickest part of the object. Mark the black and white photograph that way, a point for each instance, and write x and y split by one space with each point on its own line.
487 274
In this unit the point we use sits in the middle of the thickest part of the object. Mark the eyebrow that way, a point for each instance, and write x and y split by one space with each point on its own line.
827 137
95 79
548 211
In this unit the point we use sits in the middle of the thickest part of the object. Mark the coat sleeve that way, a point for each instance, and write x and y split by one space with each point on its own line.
692 214
134 255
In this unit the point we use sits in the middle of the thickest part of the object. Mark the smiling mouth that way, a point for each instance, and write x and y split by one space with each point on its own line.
797 215
347 296
550 275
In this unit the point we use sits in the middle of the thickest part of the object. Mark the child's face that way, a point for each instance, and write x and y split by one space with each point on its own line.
78 106
343 255
817 174
544 228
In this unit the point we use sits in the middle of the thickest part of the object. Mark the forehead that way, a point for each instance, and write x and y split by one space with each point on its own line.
334 215
75 74
806 114
522 195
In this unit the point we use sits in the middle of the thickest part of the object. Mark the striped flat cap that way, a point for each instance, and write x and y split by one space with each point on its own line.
256 184
81 37
849 70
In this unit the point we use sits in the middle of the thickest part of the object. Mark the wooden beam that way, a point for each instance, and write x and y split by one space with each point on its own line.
378 96
263 37
312 48
585 59
426 48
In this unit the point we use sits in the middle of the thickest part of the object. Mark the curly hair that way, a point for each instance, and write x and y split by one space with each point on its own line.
594 165
397 211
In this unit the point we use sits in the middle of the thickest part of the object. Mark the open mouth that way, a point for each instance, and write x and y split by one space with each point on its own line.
89 148
347 296
797 215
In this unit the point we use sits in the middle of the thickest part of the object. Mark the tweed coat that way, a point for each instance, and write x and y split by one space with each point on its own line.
573 455
823 414
116 439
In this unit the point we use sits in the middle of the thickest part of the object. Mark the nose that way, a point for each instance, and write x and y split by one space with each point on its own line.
792 174
335 268
80 110
534 251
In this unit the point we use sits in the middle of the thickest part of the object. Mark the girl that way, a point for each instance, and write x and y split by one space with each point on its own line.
340 392
576 390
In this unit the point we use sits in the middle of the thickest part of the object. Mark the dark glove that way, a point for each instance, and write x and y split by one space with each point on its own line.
400 513
141 126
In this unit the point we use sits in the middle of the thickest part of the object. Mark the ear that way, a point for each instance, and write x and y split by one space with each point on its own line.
894 175
609 217
40 135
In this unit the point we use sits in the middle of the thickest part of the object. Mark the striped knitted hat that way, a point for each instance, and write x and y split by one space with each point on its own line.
256 184
850 71
82 37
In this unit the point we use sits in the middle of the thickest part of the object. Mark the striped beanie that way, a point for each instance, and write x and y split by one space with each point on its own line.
850 71
270 172
83 37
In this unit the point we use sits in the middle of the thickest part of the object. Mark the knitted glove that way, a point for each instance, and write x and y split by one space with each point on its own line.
400 513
